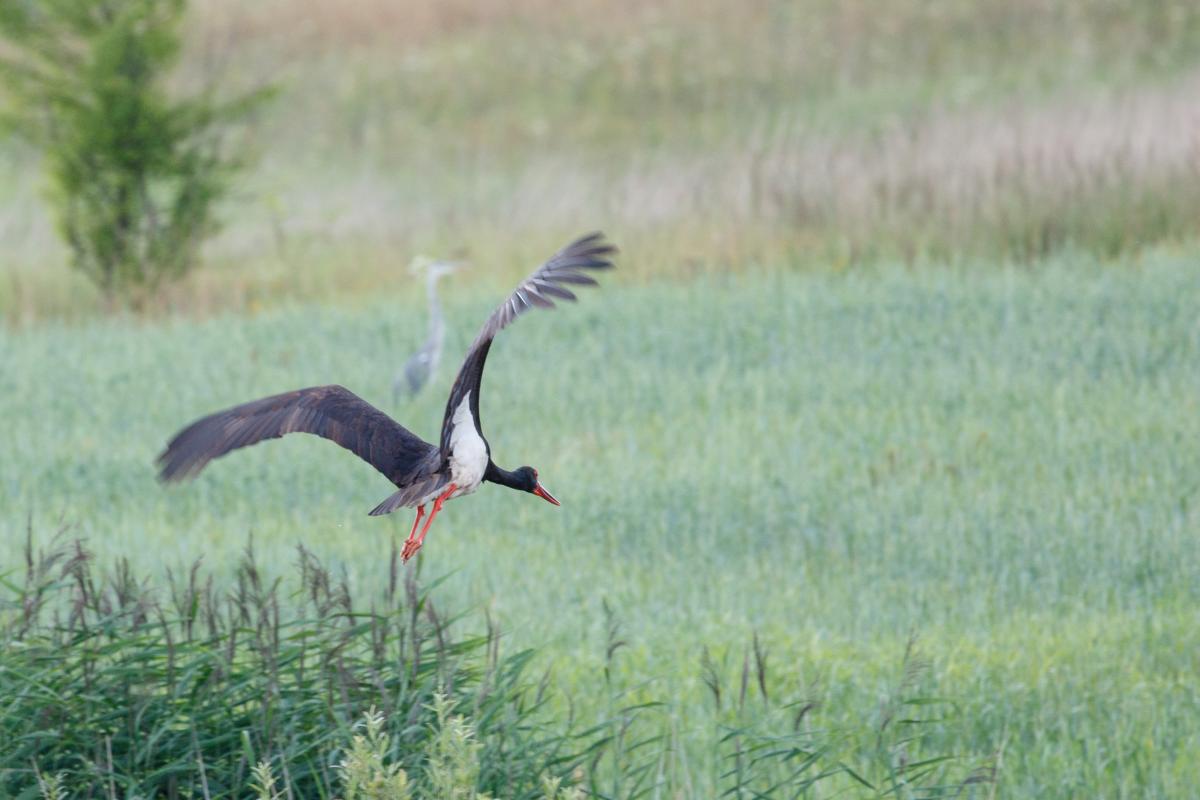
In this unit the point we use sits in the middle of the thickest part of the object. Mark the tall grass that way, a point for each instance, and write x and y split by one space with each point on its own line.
1020 182
117 687
913 129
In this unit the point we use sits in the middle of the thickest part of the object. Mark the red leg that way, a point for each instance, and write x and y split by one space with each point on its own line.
411 547
410 541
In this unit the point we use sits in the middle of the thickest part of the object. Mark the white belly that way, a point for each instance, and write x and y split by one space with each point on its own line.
468 450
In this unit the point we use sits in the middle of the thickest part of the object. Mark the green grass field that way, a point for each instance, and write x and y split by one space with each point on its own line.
1001 462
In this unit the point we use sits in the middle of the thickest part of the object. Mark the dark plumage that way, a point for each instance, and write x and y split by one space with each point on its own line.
422 472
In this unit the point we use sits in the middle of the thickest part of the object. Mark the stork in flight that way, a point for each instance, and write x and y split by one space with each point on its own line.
423 472
422 364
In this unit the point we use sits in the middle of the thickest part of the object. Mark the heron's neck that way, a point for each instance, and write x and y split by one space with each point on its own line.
431 286
437 323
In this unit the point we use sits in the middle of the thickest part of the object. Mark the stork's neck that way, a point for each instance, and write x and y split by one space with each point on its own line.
502 476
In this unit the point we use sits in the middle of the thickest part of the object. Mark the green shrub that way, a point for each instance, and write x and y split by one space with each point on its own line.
366 774
364 770
134 174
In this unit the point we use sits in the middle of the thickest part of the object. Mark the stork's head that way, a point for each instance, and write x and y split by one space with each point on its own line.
526 479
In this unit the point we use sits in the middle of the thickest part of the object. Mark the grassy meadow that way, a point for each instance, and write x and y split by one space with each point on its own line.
902 346
1000 463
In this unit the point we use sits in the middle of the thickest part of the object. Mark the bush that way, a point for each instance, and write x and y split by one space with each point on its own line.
366 774
134 174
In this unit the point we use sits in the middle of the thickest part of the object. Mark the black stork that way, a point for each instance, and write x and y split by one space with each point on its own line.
423 473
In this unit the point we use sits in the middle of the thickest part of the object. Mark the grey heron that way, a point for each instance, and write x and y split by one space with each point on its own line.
422 364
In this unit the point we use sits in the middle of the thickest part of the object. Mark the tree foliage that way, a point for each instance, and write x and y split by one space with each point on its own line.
134 172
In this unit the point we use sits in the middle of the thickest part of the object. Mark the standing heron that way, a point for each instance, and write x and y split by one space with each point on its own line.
422 472
421 364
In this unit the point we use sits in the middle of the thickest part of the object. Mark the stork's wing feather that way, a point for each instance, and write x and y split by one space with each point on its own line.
541 289
413 494
331 412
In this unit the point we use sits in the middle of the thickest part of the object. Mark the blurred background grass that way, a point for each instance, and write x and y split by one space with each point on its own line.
704 135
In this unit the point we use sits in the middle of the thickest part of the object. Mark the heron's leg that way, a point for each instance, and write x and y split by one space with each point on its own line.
409 541
411 547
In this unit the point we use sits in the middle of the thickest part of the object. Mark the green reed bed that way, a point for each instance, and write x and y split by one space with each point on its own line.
119 686
123 688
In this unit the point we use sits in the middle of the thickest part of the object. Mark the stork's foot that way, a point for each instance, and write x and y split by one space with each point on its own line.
412 545
410 549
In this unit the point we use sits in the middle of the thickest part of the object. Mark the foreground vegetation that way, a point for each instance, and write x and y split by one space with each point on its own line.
114 687
999 460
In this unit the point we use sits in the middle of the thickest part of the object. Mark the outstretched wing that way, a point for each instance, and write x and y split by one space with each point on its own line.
331 412
568 266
